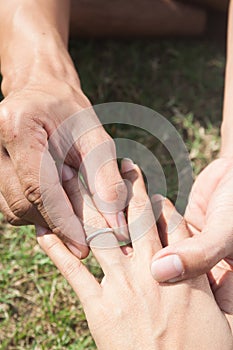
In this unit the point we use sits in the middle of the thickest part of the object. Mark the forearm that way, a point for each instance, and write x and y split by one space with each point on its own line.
227 124
33 42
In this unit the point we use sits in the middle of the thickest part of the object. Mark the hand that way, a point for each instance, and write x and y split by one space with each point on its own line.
209 211
37 134
175 316
30 188
220 276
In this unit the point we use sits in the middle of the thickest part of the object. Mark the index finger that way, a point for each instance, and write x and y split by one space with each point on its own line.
172 226
41 185
100 169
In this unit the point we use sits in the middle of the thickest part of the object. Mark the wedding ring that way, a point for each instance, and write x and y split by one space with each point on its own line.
98 232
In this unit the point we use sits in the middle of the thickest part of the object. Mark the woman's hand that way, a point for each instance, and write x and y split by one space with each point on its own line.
129 310
220 276
209 212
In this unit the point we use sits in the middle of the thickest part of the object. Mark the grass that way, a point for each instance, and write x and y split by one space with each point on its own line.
183 80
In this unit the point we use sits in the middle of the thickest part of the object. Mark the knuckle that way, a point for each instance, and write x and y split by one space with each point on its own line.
111 198
48 244
4 115
32 193
115 191
82 100
8 132
140 203
122 190
109 142
96 140
93 222
20 207
14 125
73 189
12 219
71 268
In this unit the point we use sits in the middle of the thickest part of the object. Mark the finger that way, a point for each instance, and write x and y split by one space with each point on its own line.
198 200
81 280
173 229
102 176
10 217
105 246
221 279
192 256
171 224
82 140
19 209
198 254
41 186
141 221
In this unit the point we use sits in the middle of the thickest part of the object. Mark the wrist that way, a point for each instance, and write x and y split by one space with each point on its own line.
33 42
47 62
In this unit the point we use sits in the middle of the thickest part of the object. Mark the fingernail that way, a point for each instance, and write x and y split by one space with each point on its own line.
40 231
74 250
167 268
123 228
127 165
67 173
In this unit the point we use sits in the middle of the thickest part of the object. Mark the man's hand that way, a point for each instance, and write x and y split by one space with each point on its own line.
37 136
209 211
28 118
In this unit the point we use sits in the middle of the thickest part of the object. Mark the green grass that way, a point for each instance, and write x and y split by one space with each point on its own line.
183 80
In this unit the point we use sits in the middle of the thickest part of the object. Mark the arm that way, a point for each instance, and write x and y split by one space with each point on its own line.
42 91
33 43
209 211
227 129
227 124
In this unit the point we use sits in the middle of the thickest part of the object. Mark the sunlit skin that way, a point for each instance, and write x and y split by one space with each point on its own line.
184 315
211 201
42 89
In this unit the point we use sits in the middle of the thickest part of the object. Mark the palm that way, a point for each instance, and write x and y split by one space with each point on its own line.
206 192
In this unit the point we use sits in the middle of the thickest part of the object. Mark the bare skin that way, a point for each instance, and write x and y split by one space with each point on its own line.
210 205
179 316
42 90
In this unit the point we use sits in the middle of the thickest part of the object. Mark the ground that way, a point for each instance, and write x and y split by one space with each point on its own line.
182 80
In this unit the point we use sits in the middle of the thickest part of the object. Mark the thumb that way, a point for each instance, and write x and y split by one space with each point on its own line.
189 257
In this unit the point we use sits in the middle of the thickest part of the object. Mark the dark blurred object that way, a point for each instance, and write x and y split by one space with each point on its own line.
218 5
136 18
216 25
216 16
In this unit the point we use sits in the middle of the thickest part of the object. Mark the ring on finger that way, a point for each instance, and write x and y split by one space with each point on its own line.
97 233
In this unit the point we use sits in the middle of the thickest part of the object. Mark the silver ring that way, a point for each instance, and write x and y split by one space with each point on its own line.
97 233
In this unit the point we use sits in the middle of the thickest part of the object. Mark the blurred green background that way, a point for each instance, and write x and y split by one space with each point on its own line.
181 79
